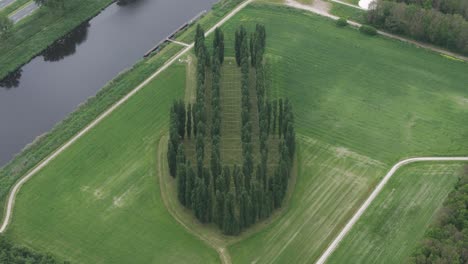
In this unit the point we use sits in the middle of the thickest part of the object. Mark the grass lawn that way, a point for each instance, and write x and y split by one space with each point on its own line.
36 32
349 13
395 223
99 201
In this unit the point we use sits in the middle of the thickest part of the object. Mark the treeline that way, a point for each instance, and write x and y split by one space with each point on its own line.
445 6
428 25
13 254
233 197
447 240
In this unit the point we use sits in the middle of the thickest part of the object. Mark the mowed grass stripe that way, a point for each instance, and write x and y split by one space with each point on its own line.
99 201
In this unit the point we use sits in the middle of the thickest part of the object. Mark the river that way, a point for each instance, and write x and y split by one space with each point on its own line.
53 84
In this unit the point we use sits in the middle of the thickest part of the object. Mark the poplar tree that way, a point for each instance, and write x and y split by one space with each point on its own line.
189 185
240 40
189 120
280 117
199 39
275 111
172 159
181 182
218 44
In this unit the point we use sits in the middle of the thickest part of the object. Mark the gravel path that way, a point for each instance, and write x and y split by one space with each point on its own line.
371 198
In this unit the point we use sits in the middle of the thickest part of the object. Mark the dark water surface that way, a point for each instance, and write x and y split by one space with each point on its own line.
52 85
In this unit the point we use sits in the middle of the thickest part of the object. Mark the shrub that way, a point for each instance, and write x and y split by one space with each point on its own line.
368 30
341 22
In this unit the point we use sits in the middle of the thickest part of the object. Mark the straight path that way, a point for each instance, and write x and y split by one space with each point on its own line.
42 164
178 42
325 13
4 3
371 198
24 12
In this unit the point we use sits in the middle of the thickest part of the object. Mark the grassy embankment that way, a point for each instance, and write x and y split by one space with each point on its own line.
36 32
361 104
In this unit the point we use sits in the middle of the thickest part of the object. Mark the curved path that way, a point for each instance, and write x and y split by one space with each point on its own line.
42 164
371 198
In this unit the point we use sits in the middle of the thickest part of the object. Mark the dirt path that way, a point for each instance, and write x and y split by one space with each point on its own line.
42 164
323 258
178 42
318 9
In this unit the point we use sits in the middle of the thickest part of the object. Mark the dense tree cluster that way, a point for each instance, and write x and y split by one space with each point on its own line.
13 254
428 25
231 196
445 6
447 240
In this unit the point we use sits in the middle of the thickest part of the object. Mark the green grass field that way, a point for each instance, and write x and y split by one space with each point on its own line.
395 223
361 103
99 201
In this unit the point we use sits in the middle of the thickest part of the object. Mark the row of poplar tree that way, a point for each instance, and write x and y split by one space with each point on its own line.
233 197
